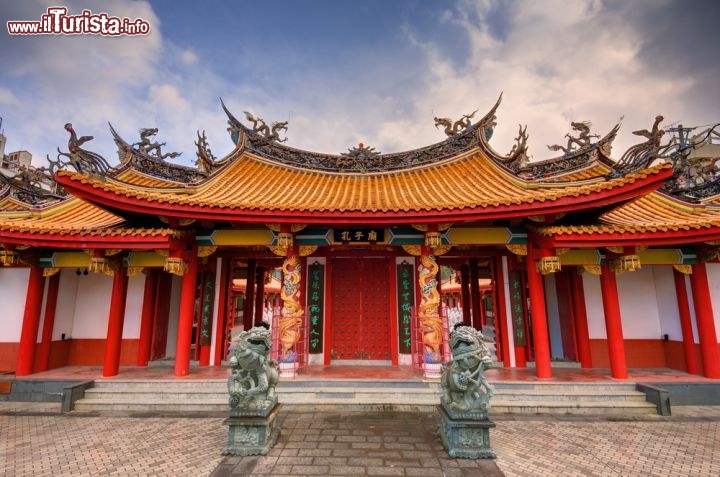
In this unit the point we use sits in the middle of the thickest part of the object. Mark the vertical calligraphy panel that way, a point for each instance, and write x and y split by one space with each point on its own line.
405 301
516 307
316 306
207 304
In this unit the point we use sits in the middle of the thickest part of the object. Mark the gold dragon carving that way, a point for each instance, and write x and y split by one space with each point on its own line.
292 312
428 315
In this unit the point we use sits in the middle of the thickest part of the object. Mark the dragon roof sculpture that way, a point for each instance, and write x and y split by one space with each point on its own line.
462 136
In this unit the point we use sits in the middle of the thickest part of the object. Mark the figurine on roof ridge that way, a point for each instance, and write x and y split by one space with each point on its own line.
582 141
152 149
271 133
454 128
83 161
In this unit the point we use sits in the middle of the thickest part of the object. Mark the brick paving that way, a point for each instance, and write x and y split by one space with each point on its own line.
36 441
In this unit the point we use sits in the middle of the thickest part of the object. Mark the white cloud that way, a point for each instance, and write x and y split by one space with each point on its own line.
7 97
557 62
188 57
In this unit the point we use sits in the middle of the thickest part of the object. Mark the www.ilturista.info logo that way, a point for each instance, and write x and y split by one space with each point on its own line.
57 22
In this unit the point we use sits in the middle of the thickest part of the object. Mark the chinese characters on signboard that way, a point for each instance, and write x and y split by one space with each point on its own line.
316 305
405 301
206 311
360 235
517 311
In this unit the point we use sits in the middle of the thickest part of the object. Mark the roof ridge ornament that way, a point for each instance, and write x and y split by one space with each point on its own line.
152 149
361 158
33 186
147 157
271 133
205 161
582 141
694 177
580 152
82 160
455 128
246 139
642 155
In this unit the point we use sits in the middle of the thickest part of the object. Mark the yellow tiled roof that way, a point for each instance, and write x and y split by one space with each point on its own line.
11 204
72 217
468 181
654 212
135 177
597 169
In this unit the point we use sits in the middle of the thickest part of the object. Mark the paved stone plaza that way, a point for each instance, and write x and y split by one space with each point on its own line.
36 441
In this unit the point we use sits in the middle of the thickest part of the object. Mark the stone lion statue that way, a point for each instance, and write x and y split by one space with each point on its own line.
465 391
253 378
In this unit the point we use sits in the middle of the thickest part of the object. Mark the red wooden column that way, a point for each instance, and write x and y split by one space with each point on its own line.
709 352
691 364
31 322
475 294
613 323
577 291
260 295
502 339
465 294
222 313
147 318
187 315
249 295
48 322
393 315
116 319
538 314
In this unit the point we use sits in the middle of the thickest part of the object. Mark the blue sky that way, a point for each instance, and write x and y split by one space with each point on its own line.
349 71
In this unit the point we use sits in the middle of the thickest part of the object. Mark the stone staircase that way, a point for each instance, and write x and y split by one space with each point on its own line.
210 396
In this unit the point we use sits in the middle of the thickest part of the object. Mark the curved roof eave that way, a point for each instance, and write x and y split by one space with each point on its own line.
592 199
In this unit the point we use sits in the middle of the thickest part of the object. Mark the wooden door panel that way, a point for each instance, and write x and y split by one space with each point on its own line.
361 314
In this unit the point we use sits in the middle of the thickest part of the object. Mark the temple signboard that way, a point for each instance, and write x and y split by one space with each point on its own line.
359 235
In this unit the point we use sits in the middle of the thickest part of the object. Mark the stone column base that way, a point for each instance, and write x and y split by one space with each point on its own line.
432 370
466 438
252 435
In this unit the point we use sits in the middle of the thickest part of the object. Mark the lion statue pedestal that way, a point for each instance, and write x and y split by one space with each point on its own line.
465 401
253 428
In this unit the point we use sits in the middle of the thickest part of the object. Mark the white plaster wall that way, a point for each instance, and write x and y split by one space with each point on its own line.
65 311
639 304
594 307
553 316
174 314
133 307
691 304
13 290
713 274
92 306
667 302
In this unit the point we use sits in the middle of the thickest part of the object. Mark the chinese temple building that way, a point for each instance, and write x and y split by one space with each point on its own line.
364 257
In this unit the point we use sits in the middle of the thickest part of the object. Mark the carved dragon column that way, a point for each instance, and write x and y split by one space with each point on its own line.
428 310
429 319
292 312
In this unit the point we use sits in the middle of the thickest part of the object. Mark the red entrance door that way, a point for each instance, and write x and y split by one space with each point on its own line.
361 309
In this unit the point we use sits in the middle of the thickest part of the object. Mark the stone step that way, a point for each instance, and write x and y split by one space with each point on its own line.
290 395
358 404
510 398
530 390
584 408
